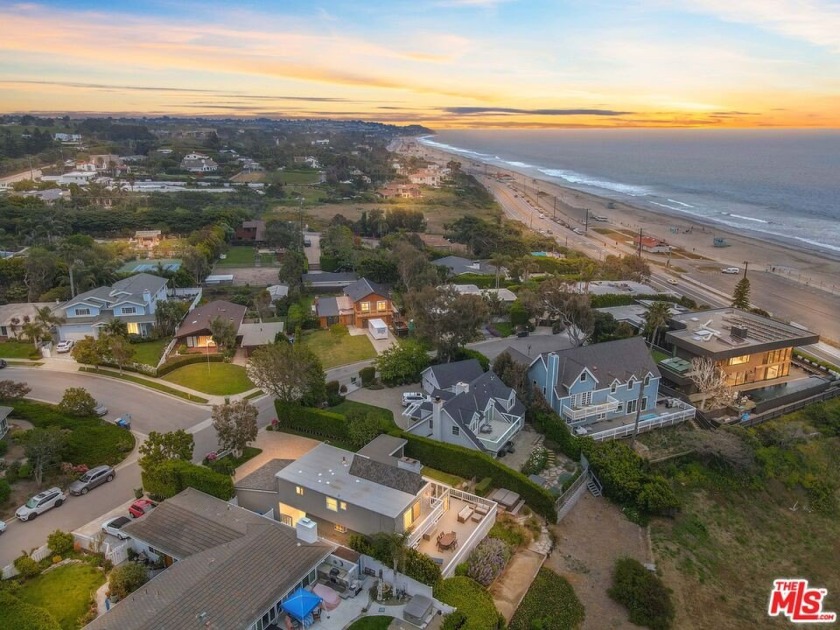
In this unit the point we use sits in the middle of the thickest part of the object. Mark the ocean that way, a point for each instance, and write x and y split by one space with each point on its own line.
782 185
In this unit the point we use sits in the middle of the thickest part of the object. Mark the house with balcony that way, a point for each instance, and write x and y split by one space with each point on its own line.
132 300
226 567
467 407
376 489
362 300
598 389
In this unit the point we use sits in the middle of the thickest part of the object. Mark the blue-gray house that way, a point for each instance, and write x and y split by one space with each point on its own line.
599 383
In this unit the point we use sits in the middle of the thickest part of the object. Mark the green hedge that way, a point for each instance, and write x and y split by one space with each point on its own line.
174 364
643 593
315 422
17 614
469 463
472 600
555 429
171 477
549 604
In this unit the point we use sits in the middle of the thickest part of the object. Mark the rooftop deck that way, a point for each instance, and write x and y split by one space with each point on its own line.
660 416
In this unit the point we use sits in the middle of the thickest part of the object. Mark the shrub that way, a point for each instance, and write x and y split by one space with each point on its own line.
26 566
488 560
454 620
174 364
60 543
338 330
368 375
536 462
12 390
402 363
77 402
416 565
317 422
555 429
17 614
483 486
509 531
463 354
333 396
549 604
472 601
25 471
643 593
127 578
172 476
56 559
4 447
5 491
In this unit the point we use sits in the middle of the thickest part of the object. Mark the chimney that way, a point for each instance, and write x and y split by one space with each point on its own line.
551 377
461 388
437 407
406 463
307 530
147 297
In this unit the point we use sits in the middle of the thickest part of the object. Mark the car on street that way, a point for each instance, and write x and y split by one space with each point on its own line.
578 231
671 280
100 409
91 479
140 507
64 346
40 503
114 527
409 398
732 270
2 526
3 363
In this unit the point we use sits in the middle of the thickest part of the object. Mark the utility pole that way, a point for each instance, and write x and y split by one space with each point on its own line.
746 266
555 209
640 242
586 221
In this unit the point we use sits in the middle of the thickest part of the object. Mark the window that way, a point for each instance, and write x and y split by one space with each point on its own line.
631 406
739 360
341 529
299 490
129 310
613 387
365 307
647 380
411 515
82 311
644 403
381 305
631 383
431 423
343 505
332 504
456 431
583 376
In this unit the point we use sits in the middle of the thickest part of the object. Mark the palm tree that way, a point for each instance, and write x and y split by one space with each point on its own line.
33 331
656 317
116 328
398 548
46 318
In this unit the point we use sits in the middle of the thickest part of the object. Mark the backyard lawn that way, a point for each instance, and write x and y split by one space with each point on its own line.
385 415
63 592
149 352
379 622
16 350
238 256
336 350
218 379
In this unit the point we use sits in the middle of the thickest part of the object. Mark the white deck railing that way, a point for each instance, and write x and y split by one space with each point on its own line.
644 425
494 445
429 522
579 413
470 543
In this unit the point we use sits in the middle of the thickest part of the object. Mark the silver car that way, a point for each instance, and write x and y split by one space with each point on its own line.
100 409
40 503
92 478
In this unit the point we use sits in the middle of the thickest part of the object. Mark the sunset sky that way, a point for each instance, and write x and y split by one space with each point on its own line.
442 63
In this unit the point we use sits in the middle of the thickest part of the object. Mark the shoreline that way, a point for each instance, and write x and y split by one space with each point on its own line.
688 233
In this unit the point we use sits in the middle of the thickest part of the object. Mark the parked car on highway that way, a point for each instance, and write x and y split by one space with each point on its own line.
2 363
140 507
64 346
732 270
409 398
100 409
40 503
114 527
92 478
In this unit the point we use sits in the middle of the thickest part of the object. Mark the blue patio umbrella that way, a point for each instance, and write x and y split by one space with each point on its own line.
301 604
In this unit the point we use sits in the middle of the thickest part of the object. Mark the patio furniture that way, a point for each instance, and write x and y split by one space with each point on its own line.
482 509
428 535
331 599
465 514
300 606
476 516
448 541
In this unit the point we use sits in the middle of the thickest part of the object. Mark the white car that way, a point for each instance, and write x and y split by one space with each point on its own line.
40 503
732 270
671 280
409 398
64 346
100 409
2 526
114 527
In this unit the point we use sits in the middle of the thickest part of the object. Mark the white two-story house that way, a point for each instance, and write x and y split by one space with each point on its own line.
132 300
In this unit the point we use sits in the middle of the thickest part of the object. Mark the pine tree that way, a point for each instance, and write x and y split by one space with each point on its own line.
741 296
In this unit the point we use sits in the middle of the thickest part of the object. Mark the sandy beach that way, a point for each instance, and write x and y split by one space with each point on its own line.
792 283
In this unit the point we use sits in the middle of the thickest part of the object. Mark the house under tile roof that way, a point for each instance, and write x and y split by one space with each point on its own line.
227 584
264 477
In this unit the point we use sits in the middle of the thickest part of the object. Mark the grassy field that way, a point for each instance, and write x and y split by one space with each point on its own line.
218 379
63 592
386 415
146 382
15 350
759 504
443 477
378 622
238 256
149 352
293 178
338 350
550 604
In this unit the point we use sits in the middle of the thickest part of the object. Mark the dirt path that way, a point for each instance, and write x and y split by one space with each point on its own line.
509 590
589 541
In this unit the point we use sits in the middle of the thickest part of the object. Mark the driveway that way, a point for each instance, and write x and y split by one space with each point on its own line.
313 252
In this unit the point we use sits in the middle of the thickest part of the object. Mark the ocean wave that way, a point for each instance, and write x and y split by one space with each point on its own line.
514 163
687 205
741 216
448 147
665 205
817 243
578 178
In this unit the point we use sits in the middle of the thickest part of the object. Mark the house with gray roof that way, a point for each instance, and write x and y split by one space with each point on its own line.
361 301
602 385
328 280
132 300
444 376
458 266
226 567
480 413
